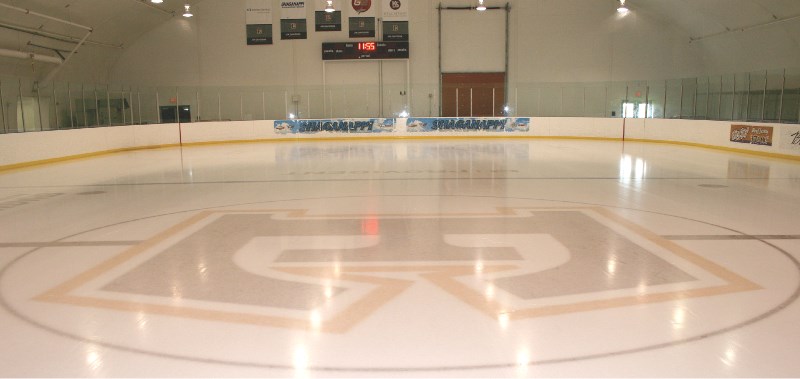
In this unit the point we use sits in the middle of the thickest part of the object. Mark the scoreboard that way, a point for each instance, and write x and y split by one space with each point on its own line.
364 50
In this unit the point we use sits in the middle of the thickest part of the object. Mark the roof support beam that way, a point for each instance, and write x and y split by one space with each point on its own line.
745 28
28 11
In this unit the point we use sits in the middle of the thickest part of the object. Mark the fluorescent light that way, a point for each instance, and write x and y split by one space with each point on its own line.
156 1
481 6
188 12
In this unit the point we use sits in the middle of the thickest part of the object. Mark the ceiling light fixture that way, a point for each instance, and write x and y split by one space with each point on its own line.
329 7
187 13
481 6
156 1
622 8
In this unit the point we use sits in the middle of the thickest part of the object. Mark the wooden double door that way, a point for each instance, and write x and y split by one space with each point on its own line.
473 94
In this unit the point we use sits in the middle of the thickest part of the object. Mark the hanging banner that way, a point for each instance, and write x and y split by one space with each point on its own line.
362 18
504 124
395 31
362 27
347 125
258 22
293 20
395 10
394 14
327 21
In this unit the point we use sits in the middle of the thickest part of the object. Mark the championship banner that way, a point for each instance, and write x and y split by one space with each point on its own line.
395 30
293 20
756 135
395 20
505 124
327 21
347 125
258 22
362 18
790 137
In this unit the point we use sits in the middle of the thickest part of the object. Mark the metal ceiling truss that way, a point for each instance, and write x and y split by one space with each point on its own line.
61 62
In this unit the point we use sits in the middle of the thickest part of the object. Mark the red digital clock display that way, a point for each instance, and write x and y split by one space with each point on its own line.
364 50
367 46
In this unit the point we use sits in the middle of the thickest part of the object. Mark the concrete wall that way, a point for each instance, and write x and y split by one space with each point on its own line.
23 148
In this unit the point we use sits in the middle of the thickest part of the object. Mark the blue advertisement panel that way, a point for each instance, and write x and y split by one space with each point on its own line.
505 124
365 125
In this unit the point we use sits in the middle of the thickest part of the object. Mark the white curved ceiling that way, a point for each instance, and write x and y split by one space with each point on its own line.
707 17
115 22
119 23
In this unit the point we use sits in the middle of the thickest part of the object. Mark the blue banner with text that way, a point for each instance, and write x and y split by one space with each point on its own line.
365 125
504 124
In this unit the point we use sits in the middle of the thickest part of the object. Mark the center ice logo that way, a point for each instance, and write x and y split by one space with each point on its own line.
515 264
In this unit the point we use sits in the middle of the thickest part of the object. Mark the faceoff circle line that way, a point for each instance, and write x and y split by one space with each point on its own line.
788 301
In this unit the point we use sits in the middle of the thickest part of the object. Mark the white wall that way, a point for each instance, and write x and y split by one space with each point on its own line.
551 41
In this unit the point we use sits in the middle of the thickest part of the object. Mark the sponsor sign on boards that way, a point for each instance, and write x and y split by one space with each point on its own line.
347 125
790 137
752 134
503 124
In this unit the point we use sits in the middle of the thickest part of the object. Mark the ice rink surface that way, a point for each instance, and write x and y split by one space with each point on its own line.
459 258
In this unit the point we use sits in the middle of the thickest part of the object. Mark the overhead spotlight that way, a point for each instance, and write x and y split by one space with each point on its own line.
622 8
481 6
188 12
329 6
156 1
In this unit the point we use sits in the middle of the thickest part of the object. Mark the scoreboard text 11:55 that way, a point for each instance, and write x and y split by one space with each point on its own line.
364 50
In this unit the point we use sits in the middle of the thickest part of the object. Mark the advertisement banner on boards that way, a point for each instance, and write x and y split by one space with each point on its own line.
485 124
790 137
345 125
258 22
293 20
752 134
394 10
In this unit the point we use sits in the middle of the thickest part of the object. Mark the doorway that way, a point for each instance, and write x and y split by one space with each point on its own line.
473 94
